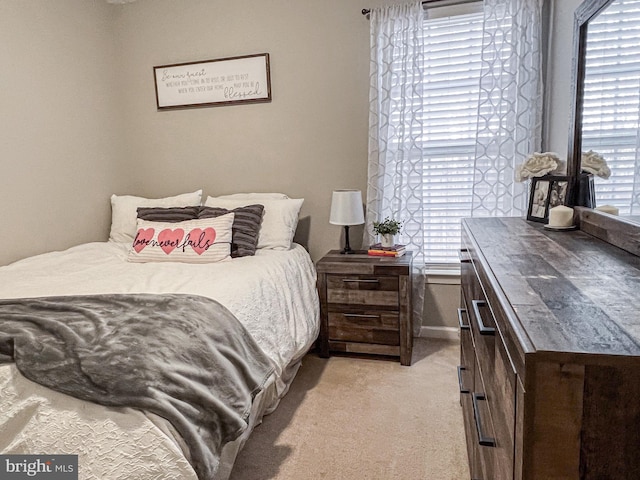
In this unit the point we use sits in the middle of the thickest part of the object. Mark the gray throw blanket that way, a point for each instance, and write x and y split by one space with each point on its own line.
183 357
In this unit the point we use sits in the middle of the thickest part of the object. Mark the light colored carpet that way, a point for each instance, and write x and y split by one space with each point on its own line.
356 418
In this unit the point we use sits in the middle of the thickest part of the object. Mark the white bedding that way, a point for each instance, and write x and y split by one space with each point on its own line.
273 294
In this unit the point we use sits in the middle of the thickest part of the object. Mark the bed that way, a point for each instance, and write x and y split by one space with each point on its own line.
271 293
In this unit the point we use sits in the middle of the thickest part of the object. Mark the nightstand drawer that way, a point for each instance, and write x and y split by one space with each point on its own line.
367 327
362 290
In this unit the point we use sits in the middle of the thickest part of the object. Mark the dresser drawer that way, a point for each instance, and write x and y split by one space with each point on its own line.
482 325
365 326
494 387
467 350
466 402
500 393
363 290
466 369
483 331
484 436
466 383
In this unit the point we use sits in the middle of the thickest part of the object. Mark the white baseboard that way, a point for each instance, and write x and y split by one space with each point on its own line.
447 333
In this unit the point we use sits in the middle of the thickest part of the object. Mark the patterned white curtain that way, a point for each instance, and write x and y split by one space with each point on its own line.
510 108
395 155
509 118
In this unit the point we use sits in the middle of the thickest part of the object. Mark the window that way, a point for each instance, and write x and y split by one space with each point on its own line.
610 124
450 93
456 103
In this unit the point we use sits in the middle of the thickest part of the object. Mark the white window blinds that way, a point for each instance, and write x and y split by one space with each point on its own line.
450 95
610 124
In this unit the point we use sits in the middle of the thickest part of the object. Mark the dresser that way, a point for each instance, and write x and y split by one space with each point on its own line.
365 305
549 369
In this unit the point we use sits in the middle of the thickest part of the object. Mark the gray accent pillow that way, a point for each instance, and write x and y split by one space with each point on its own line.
168 214
245 229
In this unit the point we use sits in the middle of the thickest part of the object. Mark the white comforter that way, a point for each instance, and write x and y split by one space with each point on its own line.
273 294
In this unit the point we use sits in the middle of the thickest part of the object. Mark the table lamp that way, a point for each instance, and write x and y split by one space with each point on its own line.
346 210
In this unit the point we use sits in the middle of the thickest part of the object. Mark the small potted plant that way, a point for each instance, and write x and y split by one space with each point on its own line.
387 229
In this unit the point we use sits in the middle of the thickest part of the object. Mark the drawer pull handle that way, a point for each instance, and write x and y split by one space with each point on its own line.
360 315
464 255
463 326
484 330
462 389
482 440
357 280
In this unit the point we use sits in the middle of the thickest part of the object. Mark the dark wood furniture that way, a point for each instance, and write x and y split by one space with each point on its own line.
550 353
587 11
365 305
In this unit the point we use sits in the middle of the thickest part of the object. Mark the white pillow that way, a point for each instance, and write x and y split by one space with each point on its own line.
279 221
124 211
256 196
203 240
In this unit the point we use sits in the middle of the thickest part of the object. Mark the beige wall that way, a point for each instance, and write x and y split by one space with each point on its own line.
58 124
441 302
80 121
312 137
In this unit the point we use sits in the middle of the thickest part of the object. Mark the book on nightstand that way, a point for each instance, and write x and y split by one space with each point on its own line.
377 250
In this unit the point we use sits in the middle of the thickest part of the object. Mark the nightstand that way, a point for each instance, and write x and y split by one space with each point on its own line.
365 305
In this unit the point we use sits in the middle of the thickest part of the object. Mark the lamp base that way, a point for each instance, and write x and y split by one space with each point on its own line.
347 249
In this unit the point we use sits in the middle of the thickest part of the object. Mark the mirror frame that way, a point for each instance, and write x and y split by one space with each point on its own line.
585 12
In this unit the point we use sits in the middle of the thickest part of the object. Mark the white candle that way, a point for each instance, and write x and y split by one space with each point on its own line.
608 209
561 216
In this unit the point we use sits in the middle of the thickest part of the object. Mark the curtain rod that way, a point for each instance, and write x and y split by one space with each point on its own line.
432 4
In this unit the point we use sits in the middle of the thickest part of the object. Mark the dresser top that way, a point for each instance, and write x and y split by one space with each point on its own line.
570 291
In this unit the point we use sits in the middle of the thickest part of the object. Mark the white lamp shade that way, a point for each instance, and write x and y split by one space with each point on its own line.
346 208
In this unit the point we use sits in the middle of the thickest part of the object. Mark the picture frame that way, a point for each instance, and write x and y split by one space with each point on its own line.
223 81
546 192
558 192
539 200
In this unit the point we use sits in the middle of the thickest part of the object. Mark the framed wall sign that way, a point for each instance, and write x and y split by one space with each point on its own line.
225 81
